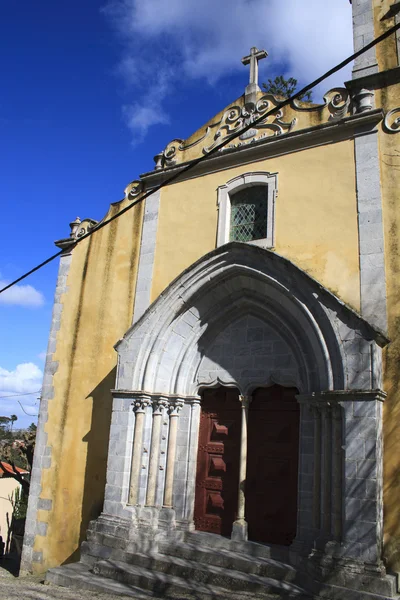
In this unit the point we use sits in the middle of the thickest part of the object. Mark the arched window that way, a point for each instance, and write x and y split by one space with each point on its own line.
249 214
247 208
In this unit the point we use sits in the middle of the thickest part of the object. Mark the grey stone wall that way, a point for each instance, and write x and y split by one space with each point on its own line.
249 353
147 253
363 34
370 229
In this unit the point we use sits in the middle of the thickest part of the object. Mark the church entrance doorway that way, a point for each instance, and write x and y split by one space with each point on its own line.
272 465
218 456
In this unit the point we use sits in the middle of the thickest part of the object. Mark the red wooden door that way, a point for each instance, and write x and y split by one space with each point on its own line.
217 477
272 465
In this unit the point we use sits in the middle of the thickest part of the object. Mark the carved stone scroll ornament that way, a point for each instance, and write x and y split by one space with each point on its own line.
391 123
133 189
80 228
237 118
337 100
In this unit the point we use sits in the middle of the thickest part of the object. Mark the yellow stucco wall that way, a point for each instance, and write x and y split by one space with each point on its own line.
316 218
97 310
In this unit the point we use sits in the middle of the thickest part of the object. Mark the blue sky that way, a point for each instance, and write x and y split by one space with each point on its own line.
90 92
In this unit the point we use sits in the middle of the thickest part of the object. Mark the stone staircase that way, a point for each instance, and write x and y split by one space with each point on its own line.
201 566
187 569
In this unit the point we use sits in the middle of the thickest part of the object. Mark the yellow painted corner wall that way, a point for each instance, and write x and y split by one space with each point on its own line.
389 147
97 310
316 218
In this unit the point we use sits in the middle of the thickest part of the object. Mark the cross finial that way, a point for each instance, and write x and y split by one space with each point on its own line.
252 60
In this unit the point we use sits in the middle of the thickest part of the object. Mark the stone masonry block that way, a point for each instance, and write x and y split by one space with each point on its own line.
365 409
37 557
41 528
355 449
350 469
366 469
356 488
44 504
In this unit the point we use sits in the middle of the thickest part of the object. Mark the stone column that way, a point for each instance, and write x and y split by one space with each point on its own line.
317 468
239 528
337 466
174 409
158 407
190 484
327 471
139 406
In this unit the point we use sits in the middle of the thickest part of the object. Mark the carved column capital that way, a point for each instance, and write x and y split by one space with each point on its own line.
245 401
160 404
175 407
141 403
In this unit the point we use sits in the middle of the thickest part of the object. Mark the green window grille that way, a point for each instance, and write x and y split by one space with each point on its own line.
249 214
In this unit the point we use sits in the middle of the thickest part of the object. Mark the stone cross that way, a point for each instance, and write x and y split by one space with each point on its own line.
252 60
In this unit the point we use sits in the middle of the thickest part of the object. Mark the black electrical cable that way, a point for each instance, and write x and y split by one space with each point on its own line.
226 141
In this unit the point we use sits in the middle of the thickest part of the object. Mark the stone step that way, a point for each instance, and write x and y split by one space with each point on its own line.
200 580
264 567
254 549
78 576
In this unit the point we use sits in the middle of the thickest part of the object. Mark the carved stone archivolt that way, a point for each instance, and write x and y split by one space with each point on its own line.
391 123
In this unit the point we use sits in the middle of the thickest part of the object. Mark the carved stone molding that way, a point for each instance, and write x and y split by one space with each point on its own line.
133 189
237 118
391 123
337 100
336 104
175 406
141 403
80 228
159 405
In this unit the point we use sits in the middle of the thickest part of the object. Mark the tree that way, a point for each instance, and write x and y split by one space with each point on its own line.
13 418
285 88
19 453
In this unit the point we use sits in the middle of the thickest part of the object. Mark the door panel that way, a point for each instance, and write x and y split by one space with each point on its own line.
217 477
272 465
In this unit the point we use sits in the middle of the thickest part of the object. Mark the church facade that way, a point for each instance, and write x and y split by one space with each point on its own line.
252 402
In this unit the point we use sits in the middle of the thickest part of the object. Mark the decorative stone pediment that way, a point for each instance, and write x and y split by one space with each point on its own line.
296 116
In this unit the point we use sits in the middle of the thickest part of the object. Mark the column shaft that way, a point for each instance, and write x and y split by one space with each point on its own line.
171 452
159 406
327 489
140 406
239 530
317 469
337 467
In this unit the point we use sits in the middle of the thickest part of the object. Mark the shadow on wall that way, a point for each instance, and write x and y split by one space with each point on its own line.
96 461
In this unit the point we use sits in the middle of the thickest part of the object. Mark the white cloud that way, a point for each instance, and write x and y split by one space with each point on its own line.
27 377
21 295
17 387
167 42
42 355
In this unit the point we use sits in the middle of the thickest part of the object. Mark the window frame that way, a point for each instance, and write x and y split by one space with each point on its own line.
270 180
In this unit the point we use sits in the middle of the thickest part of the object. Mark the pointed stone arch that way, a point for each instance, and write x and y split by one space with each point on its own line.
325 350
163 351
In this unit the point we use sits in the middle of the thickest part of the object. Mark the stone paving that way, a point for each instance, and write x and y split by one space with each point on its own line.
33 588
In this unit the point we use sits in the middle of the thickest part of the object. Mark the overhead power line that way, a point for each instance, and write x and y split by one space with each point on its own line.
216 149
18 395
